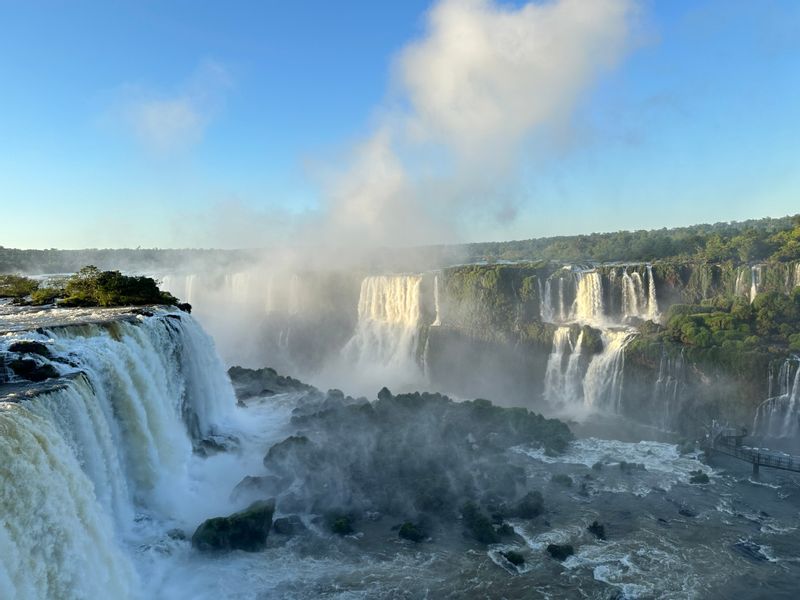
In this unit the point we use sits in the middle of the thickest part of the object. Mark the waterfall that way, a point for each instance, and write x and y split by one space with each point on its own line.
633 298
797 275
652 300
755 281
779 415
666 390
588 305
55 539
437 321
740 287
546 304
562 381
602 385
79 460
386 339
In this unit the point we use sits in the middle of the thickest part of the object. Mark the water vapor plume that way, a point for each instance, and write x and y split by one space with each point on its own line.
481 82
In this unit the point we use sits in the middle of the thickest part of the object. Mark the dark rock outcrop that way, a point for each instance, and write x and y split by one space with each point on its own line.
245 530
28 368
560 551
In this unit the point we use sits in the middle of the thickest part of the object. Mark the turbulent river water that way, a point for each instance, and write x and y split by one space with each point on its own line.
101 488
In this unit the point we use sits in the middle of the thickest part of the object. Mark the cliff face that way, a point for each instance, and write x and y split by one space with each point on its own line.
497 337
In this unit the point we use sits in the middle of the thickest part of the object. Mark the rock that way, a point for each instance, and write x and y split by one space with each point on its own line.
698 477
478 524
254 487
184 306
505 530
291 525
515 558
27 368
598 530
341 524
214 444
560 551
30 347
750 550
412 532
245 530
687 511
531 505
561 479
176 534
598 466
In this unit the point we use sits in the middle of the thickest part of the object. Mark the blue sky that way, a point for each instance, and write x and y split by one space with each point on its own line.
179 124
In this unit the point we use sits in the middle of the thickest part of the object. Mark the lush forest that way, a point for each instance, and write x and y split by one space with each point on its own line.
736 242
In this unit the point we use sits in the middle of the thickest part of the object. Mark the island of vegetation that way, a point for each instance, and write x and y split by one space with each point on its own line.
88 287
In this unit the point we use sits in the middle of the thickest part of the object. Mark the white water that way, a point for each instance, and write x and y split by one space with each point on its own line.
80 462
779 415
384 347
437 320
652 299
633 298
755 281
666 390
588 305
602 385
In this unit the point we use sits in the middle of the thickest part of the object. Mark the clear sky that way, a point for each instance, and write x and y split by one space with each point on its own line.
174 124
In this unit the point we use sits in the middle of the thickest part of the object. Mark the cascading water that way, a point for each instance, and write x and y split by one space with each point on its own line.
652 298
588 305
55 539
112 440
385 344
563 375
755 281
633 298
779 415
740 287
437 321
602 385
667 388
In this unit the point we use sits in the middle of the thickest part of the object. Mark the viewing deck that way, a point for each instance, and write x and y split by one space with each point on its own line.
728 441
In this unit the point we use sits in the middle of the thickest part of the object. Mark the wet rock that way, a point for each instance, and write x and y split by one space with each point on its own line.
30 347
698 477
266 486
27 368
291 525
478 524
505 530
341 524
184 306
245 530
560 551
530 506
515 558
687 511
215 443
176 534
750 550
598 530
413 532
561 479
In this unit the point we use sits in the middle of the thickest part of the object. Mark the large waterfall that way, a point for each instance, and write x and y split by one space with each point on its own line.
82 459
385 345
779 415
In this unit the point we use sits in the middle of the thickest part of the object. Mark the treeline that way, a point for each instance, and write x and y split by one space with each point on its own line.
54 261
739 242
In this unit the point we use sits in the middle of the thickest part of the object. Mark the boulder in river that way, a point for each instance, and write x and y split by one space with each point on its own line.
245 530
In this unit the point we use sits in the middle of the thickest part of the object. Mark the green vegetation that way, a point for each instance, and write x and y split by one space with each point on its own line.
743 242
88 287
16 286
